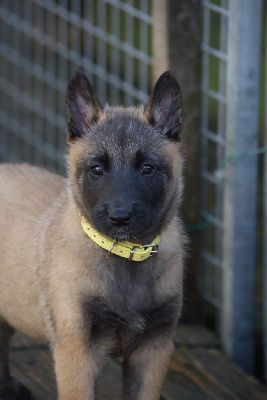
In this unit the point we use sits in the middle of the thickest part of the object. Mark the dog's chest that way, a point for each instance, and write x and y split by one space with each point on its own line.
125 324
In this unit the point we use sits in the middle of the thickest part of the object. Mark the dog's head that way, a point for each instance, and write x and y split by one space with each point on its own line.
124 162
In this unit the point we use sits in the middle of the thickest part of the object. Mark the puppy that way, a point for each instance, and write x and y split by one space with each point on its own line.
93 263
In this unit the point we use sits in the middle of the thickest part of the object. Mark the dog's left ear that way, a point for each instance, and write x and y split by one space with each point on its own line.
164 108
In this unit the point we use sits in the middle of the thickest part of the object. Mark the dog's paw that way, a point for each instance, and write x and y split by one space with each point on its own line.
15 391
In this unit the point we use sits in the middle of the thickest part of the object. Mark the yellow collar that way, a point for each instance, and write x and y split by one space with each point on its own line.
132 251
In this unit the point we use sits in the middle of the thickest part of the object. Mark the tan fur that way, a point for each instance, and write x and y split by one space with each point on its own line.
19 213
72 356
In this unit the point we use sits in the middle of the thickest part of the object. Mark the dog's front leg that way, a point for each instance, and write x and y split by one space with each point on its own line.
77 367
145 369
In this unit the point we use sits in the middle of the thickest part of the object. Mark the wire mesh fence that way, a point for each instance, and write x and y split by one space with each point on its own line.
42 43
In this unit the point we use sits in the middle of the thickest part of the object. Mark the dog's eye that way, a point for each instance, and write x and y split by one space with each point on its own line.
97 170
147 169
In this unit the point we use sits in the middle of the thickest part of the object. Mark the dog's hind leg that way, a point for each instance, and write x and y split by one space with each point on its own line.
10 388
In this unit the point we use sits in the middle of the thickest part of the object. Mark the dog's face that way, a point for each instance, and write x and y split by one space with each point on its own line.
124 162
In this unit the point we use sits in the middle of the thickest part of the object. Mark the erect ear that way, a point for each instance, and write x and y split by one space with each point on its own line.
164 108
83 108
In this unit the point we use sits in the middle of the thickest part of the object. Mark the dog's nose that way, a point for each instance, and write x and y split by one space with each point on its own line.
120 216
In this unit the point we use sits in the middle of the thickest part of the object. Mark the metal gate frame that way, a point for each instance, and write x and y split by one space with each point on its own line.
234 174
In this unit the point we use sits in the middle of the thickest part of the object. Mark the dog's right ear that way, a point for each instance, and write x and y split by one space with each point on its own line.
164 109
83 108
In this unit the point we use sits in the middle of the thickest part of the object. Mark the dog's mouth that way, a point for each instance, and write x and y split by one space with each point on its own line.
130 234
121 234
122 238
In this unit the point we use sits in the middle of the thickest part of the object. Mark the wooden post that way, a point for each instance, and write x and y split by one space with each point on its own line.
185 36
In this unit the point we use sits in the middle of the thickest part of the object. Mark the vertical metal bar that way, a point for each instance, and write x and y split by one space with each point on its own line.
129 72
241 181
143 70
205 107
227 311
220 154
160 39
101 50
75 34
62 64
88 42
38 123
15 109
24 150
265 217
115 53
61 74
204 127
50 98
5 101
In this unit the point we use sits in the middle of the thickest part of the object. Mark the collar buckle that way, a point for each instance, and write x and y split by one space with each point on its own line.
145 246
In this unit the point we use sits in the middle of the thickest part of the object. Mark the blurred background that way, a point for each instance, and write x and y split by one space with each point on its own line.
217 50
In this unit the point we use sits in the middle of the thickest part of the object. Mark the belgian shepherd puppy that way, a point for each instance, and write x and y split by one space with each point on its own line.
93 263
